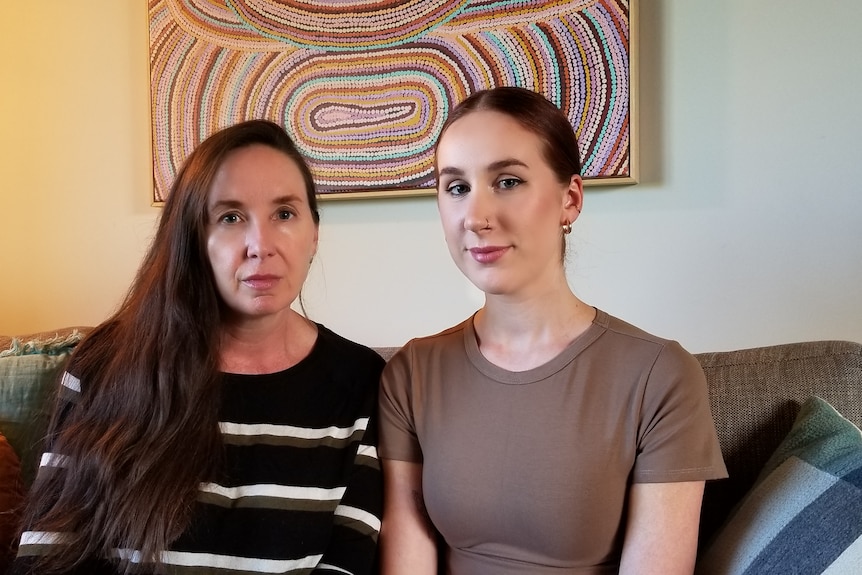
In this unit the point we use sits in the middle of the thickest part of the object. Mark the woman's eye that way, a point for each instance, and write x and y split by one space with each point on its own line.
229 218
508 183
284 214
457 189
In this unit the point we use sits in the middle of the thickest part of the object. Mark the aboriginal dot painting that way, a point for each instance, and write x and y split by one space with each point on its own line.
364 86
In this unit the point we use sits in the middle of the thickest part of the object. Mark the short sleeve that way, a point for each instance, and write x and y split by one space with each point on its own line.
398 439
676 434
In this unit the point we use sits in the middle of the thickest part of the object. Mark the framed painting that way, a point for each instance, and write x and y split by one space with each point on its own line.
364 87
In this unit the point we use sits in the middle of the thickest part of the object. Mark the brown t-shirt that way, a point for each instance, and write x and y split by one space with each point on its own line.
528 472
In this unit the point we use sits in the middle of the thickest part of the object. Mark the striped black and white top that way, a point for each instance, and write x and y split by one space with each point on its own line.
301 489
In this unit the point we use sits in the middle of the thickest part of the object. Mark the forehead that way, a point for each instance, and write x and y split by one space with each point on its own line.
255 171
486 132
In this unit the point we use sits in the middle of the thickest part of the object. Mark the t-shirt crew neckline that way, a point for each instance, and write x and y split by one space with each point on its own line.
471 345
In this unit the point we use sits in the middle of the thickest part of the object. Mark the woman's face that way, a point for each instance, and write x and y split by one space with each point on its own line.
261 236
501 206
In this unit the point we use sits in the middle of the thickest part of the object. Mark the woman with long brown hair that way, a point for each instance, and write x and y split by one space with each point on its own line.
207 426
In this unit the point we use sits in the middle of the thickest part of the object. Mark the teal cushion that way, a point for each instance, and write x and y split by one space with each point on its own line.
29 372
804 513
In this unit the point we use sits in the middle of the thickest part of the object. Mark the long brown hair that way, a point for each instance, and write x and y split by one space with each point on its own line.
144 432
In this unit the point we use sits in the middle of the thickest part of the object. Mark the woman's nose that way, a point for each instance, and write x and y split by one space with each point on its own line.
476 217
259 240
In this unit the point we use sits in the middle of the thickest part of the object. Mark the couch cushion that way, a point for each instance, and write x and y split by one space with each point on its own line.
29 370
804 513
755 396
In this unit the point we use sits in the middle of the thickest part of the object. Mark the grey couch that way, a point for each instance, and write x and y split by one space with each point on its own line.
755 395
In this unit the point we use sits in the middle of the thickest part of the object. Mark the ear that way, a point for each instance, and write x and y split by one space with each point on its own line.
573 200
316 241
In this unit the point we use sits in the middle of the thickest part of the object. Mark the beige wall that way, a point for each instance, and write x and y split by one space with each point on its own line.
74 152
746 228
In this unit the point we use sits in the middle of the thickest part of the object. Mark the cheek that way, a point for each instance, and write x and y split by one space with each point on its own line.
452 235
212 251
220 256
449 220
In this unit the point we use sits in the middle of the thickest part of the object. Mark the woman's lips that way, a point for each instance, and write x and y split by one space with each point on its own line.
488 254
260 282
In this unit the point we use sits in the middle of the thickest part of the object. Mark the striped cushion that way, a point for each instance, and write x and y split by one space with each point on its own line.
804 513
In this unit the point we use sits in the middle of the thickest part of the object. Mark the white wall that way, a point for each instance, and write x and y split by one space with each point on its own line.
746 228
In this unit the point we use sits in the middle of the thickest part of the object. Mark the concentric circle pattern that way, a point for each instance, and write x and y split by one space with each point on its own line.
364 86
345 25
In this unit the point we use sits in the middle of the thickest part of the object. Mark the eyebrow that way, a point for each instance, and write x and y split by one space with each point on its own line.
493 166
238 204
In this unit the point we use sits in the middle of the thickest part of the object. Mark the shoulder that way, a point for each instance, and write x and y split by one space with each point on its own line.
442 352
448 340
644 352
432 348
627 332
331 346
630 336
95 349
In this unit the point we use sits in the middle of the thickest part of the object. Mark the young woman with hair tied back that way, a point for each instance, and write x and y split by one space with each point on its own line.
207 427
541 435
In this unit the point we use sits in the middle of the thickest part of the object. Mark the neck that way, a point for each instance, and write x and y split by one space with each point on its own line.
266 345
518 334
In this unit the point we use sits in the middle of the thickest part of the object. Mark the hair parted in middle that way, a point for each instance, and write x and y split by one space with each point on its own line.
536 114
144 433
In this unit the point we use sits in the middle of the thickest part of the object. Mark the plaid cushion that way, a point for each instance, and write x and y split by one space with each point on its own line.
804 513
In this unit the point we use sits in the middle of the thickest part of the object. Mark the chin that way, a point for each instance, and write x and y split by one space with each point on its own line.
490 286
257 310
496 291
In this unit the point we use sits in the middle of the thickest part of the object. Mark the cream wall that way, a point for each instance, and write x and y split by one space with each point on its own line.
746 228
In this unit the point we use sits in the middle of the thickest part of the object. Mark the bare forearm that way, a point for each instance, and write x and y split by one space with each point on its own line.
661 535
407 536
405 550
